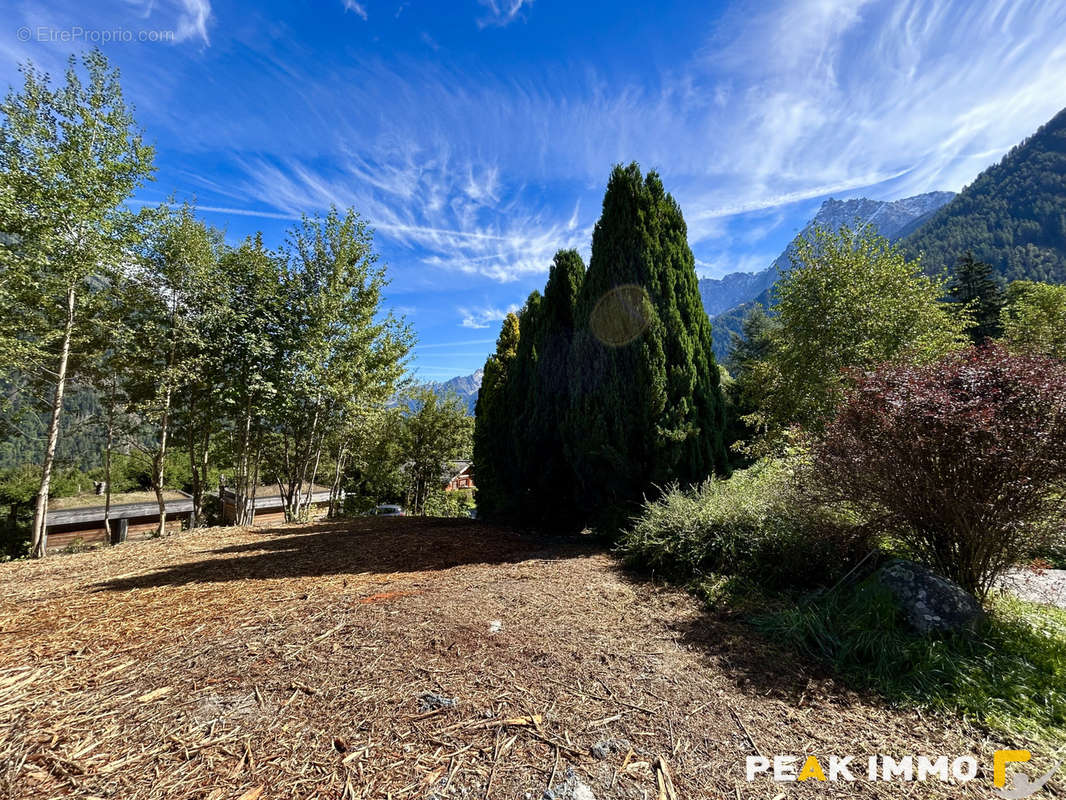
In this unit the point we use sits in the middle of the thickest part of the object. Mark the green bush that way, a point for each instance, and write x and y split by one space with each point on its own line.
440 503
1011 676
749 528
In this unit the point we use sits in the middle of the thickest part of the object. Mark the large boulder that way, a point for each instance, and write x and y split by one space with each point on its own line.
930 603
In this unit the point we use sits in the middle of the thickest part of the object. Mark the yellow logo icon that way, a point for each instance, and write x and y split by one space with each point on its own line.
1021 785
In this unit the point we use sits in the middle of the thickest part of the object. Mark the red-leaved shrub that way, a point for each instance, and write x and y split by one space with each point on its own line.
963 460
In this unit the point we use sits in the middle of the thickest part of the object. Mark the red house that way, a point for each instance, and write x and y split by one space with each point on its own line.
459 475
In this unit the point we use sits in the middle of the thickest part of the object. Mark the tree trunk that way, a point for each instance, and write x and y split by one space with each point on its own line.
335 490
107 461
198 475
159 465
305 504
40 516
205 466
241 510
164 424
197 490
255 479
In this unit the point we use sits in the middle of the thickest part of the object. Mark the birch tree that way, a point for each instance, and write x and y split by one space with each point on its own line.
250 332
172 299
340 353
70 156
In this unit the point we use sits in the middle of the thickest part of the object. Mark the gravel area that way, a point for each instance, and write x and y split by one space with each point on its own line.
1047 586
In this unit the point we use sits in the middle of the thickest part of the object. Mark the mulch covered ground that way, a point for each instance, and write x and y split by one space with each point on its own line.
318 661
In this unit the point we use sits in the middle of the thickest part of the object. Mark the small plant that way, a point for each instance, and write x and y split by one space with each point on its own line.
440 503
960 460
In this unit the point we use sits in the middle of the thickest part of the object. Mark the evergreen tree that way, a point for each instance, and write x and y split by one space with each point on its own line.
746 391
552 476
519 447
518 480
646 407
755 342
492 458
975 286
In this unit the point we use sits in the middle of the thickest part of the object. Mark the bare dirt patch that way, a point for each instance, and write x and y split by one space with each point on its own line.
316 661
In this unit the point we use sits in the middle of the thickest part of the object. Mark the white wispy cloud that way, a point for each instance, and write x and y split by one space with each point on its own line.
193 20
457 215
358 8
488 174
897 98
189 19
484 317
501 13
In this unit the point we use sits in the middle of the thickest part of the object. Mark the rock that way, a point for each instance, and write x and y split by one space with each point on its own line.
603 749
930 603
570 789
431 702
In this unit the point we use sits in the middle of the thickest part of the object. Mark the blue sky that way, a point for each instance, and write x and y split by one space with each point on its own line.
477 135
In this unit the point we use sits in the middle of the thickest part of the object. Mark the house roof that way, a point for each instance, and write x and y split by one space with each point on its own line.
270 496
455 469
174 502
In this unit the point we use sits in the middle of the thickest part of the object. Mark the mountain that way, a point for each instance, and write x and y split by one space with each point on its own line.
1013 215
722 294
466 386
727 300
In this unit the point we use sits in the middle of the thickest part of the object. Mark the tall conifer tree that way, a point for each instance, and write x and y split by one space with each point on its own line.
553 476
518 480
976 284
646 403
492 458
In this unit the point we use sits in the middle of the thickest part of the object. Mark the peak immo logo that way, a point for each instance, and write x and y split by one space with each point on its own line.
786 768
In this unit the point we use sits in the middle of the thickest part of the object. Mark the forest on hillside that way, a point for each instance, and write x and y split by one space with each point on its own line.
1013 215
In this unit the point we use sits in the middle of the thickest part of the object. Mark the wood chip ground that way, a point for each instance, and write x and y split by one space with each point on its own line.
290 663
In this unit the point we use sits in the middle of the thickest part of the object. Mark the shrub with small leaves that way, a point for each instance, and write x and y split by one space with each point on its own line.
752 526
960 459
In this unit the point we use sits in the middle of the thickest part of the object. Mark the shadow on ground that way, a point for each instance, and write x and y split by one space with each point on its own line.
730 645
756 664
364 545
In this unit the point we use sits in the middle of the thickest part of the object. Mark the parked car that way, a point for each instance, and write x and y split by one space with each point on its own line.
387 511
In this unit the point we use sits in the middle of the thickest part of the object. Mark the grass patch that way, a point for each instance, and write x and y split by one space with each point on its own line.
1010 677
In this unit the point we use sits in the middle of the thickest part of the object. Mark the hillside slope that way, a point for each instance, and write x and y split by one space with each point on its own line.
1013 216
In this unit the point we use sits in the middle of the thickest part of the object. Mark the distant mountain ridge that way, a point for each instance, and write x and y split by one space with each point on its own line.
727 300
465 386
